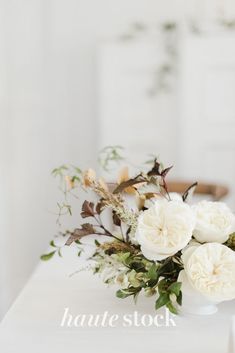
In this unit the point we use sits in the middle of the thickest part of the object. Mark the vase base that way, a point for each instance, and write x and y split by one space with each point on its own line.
199 310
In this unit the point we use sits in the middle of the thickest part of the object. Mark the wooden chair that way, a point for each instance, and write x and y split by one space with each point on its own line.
216 191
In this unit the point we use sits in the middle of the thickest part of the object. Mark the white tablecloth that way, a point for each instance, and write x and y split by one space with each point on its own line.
33 322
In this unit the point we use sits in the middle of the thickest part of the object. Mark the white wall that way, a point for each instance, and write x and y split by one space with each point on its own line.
25 142
48 109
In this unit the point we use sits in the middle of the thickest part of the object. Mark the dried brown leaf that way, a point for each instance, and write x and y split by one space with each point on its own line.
155 170
78 233
87 209
189 192
166 171
116 219
125 184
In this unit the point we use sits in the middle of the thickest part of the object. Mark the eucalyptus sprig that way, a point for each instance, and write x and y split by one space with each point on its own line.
109 156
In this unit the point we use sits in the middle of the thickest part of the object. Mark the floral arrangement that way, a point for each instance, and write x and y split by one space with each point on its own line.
157 243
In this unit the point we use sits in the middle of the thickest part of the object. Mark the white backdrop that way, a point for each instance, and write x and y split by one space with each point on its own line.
48 109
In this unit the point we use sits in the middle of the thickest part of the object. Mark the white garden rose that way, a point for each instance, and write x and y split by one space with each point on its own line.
214 222
175 196
165 228
210 270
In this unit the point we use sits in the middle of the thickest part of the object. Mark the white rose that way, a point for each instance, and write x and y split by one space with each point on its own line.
214 222
175 196
165 228
210 270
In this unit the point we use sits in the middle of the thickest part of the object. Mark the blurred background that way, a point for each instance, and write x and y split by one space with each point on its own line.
156 77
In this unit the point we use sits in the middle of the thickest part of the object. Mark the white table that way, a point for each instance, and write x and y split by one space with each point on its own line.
33 322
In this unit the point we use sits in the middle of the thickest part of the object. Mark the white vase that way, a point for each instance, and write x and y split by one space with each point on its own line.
196 304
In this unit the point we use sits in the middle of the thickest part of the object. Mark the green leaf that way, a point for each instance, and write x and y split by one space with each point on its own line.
108 155
123 257
97 243
47 257
171 307
179 298
122 293
152 272
162 286
69 208
59 171
75 178
166 267
162 300
77 169
136 265
175 288
52 244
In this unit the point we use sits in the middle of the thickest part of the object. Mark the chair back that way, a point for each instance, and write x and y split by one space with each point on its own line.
216 191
